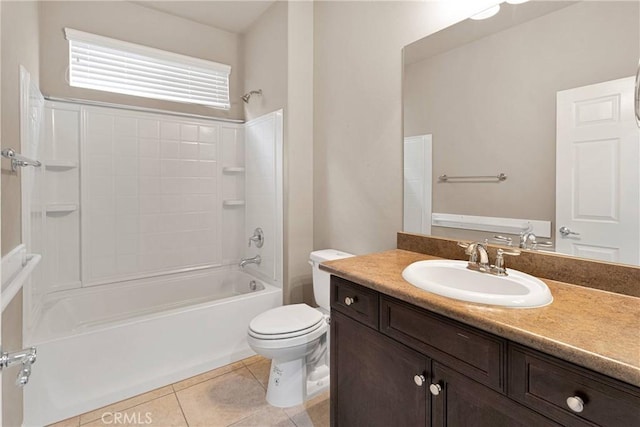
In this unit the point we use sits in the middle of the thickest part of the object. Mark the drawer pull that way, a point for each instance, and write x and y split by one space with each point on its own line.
435 389
350 300
419 380
575 403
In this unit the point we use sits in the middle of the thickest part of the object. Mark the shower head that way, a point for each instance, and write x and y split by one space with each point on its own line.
247 96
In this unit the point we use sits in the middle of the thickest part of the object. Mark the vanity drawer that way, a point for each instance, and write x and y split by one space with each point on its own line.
544 383
355 301
470 351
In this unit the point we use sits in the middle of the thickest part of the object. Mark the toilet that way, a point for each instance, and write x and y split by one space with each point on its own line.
296 338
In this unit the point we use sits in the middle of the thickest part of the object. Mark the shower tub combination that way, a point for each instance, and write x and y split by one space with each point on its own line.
100 345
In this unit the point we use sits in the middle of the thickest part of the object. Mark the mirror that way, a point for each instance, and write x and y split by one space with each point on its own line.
524 123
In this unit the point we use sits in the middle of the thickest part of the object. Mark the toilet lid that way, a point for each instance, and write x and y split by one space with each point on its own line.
292 338
285 320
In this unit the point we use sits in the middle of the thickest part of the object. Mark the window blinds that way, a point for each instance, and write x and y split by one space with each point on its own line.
102 63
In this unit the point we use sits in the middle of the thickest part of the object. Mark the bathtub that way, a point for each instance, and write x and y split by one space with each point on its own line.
104 344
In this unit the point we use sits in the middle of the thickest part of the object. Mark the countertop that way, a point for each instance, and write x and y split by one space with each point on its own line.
596 329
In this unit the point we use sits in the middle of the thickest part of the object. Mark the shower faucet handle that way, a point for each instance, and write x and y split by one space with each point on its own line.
257 238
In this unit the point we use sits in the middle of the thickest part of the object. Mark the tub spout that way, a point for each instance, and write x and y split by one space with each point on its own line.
253 260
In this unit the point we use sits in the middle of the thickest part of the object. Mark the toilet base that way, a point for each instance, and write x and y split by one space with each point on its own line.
289 385
286 383
298 371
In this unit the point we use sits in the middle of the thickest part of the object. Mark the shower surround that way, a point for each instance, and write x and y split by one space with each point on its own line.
144 221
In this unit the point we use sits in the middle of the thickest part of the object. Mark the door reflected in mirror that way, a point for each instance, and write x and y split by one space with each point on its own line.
543 93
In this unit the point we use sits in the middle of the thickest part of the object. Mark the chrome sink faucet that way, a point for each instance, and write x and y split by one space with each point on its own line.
477 250
479 258
253 260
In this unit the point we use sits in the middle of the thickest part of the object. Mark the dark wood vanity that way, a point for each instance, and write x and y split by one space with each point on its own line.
396 364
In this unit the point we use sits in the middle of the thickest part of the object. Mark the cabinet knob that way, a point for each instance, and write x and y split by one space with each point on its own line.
435 389
350 300
575 403
419 380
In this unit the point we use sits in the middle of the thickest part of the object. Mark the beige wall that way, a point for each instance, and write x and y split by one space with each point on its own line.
491 104
265 60
298 156
137 24
357 115
19 46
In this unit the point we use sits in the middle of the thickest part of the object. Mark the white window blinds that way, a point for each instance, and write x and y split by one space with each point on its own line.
102 63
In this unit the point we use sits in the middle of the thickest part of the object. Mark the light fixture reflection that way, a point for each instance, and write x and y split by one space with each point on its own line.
488 13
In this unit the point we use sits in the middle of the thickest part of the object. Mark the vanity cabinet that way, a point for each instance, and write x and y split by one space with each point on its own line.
395 364
374 378
462 402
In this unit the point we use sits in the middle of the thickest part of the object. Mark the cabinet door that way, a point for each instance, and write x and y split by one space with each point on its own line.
372 378
465 403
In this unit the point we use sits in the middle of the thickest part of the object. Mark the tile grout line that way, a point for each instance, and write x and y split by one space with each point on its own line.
244 361
200 382
265 389
175 392
292 420
184 416
256 378
241 419
261 386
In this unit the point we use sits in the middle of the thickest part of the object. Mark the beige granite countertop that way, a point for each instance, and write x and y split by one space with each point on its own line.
596 329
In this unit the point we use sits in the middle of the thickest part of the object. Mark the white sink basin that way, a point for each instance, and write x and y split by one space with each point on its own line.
452 279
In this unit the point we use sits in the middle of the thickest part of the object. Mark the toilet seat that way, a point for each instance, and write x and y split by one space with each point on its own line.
287 326
286 335
282 342
286 322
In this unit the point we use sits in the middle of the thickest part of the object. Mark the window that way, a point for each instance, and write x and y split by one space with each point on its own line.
102 63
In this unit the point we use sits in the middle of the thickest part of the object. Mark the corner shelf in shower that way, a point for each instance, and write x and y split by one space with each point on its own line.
67 208
61 165
233 169
233 203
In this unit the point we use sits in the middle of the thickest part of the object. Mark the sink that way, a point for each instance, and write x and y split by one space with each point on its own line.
452 279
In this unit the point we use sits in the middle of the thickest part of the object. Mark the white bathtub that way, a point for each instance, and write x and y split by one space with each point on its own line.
104 344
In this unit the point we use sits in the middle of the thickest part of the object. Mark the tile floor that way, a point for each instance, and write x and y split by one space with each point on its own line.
233 395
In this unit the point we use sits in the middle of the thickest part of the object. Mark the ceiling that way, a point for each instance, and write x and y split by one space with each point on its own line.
235 16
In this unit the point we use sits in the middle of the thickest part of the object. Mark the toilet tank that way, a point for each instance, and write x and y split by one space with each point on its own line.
321 289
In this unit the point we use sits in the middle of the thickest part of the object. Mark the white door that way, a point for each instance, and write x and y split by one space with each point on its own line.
597 179
417 184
